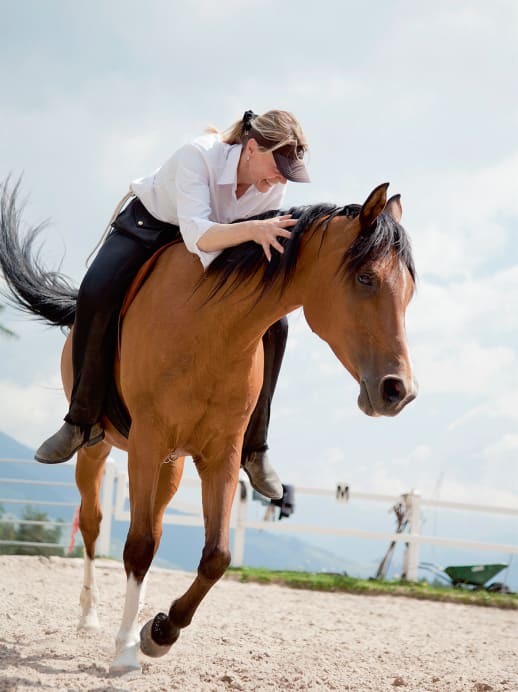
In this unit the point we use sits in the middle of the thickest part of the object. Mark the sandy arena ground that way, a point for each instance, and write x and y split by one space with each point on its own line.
249 637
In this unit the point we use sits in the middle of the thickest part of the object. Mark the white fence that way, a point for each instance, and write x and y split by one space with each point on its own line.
115 506
9 501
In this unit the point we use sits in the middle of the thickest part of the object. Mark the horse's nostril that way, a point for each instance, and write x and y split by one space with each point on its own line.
393 390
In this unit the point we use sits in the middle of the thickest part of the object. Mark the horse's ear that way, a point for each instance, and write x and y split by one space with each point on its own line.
394 208
373 205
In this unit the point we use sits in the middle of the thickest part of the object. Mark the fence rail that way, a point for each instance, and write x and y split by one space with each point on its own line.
115 507
44 503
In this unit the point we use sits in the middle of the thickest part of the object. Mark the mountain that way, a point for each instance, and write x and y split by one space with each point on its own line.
28 471
180 546
12 449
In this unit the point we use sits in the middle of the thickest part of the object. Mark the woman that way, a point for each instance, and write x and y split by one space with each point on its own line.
199 192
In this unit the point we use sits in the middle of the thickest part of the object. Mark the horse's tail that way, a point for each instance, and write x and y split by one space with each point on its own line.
47 294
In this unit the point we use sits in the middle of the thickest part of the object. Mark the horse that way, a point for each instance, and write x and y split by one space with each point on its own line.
189 371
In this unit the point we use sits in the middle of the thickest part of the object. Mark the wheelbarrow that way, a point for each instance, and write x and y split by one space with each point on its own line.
476 576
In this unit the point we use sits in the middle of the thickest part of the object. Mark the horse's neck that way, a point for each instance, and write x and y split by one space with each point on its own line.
247 311
318 258
241 316
244 318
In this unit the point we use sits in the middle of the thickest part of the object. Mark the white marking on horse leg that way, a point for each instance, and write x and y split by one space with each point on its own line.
89 597
143 591
128 638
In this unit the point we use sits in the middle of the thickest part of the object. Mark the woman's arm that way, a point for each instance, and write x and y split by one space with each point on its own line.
264 232
203 236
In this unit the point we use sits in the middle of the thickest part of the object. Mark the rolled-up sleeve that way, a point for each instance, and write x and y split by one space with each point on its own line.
193 201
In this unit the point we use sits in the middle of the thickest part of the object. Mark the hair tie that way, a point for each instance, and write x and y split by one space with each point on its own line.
247 120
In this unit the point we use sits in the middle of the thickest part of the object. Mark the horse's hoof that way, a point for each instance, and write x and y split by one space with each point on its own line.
147 644
88 623
119 670
126 662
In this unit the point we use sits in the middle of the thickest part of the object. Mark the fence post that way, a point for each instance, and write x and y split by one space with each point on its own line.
104 540
238 549
412 502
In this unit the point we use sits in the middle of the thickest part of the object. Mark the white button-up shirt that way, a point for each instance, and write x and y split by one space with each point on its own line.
196 188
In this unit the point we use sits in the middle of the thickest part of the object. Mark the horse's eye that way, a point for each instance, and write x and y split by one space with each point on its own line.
366 279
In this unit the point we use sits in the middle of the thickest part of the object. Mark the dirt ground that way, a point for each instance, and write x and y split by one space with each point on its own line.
248 637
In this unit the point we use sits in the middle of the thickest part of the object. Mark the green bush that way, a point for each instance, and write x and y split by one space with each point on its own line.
30 533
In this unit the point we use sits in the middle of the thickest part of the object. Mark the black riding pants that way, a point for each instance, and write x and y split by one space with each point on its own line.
94 340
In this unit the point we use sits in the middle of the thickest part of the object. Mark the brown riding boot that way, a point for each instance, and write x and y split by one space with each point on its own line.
69 438
262 475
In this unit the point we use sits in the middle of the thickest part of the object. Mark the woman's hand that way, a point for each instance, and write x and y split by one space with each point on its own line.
266 231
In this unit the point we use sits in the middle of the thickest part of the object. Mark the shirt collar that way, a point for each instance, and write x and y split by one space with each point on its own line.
228 174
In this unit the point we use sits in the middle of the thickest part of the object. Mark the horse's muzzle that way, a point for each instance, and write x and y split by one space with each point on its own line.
386 397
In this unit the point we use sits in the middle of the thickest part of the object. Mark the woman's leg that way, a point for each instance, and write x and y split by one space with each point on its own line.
254 458
100 297
99 300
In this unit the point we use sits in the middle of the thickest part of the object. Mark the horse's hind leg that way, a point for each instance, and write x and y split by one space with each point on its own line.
89 475
218 488
152 485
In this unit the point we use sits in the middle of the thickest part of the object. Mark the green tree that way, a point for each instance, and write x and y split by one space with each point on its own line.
30 533
4 330
7 532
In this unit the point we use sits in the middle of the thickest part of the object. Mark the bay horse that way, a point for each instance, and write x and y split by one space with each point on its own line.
190 370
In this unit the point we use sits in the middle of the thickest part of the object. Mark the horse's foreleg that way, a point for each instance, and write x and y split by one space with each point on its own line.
152 485
219 482
89 475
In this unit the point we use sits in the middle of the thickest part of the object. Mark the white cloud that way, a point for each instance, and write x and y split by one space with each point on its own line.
465 368
420 454
378 101
501 406
31 413
480 492
506 446
477 305
467 219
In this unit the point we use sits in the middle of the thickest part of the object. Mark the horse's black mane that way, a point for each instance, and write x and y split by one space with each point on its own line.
237 263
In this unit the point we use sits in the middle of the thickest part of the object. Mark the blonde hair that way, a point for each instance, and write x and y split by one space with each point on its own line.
281 128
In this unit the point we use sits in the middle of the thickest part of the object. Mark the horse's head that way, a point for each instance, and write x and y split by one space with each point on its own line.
356 297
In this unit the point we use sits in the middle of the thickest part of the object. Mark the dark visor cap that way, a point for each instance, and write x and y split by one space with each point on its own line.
288 159
292 168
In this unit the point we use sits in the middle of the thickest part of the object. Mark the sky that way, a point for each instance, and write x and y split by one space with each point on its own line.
419 94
